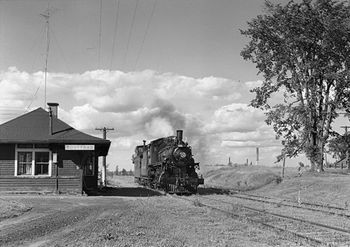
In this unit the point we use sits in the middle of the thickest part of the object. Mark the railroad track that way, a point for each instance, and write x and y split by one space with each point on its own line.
286 200
311 231
327 209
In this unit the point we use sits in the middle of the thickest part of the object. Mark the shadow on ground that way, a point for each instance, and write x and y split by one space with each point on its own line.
125 191
212 191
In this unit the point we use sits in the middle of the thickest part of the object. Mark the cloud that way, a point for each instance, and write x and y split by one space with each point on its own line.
235 117
240 143
124 143
15 87
253 84
145 105
159 127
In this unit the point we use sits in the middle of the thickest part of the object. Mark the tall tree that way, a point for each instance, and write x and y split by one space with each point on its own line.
339 146
303 51
124 172
116 170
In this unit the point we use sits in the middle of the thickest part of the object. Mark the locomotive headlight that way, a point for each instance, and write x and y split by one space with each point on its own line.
182 155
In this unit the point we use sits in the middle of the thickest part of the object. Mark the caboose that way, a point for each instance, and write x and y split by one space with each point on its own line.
167 164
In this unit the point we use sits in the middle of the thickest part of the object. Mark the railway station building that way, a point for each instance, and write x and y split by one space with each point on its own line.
41 153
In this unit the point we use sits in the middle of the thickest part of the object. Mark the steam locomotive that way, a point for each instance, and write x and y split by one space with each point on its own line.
167 164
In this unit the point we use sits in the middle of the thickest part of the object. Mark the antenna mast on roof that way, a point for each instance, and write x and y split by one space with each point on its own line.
46 15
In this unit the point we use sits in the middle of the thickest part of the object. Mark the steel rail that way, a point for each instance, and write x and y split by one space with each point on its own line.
284 217
305 203
246 197
274 227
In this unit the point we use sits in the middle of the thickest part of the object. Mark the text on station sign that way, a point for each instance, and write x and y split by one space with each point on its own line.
79 147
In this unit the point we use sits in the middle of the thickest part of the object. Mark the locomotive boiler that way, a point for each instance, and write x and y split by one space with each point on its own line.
167 164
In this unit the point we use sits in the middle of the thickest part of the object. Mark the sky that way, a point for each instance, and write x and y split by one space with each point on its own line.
145 68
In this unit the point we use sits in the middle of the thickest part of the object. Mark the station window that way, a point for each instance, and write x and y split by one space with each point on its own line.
42 163
32 160
24 163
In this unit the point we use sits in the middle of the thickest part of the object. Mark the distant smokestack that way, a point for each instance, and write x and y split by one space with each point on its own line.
54 109
179 134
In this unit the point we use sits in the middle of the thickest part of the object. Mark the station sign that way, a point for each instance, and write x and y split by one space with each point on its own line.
79 147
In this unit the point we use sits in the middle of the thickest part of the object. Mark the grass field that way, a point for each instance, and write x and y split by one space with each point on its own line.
242 177
331 187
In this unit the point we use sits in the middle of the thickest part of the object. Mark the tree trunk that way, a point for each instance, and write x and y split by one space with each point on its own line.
313 165
320 165
313 152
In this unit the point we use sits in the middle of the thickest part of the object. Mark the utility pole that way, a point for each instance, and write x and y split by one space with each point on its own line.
347 150
104 168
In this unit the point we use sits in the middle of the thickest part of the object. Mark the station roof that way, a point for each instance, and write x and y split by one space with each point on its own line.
33 127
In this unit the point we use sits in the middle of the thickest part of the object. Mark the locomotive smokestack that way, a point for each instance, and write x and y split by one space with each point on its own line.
179 134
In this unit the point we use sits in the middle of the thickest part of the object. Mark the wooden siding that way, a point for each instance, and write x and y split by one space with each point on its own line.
48 184
70 169
66 166
7 160
7 167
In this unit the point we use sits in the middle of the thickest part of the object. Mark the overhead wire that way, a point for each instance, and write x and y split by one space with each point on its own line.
31 102
47 17
10 107
60 49
47 14
34 48
100 36
115 33
36 91
146 32
130 31
10 111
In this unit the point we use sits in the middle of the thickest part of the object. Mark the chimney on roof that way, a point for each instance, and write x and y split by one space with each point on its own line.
52 113
53 107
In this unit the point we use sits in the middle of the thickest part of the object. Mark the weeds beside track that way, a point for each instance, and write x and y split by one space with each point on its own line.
311 231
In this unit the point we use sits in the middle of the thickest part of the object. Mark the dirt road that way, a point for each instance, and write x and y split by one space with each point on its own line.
144 218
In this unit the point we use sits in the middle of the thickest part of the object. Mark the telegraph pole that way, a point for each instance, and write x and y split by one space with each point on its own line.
347 150
104 167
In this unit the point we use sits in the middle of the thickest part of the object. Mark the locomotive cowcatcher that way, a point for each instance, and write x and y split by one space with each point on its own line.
167 164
